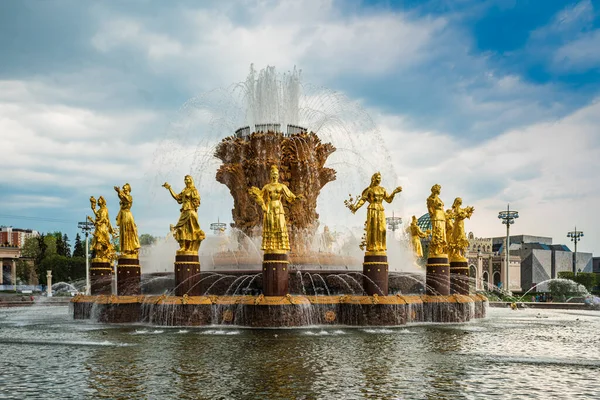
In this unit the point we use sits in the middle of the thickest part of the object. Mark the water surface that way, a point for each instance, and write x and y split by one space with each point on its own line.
534 354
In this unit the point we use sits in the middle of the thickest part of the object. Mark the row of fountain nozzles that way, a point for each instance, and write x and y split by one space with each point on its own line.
291 129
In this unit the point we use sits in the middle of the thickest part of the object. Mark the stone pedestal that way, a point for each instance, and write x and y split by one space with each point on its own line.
101 276
459 277
275 274
375 269
187 275
128 277
438 276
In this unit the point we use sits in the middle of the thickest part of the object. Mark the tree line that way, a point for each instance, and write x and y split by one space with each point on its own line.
52 252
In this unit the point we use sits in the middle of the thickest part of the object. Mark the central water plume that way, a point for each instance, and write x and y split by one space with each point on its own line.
269 99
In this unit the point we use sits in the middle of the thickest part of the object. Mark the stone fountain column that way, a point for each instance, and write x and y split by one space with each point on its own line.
438 276
187 274
275 274
129 276
101 276
375 270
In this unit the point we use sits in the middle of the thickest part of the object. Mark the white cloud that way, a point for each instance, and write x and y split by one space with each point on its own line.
545 170
20 201
49 143
580 54
282 34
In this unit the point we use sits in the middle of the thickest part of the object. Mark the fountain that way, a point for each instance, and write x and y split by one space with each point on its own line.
275 176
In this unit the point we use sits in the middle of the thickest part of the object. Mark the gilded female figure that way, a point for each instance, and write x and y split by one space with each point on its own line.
449 229
128 236
459 238
101 241
275 234
435 207
416 234
187 232
376 226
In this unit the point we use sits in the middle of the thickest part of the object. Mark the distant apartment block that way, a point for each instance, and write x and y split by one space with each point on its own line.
15 237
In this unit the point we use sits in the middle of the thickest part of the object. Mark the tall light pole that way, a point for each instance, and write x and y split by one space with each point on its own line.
508 218
393 222
575 237
86 227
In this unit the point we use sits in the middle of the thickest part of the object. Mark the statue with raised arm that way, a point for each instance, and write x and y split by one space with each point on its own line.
128 236
376 226
437 216
275 238
459 238
187 231
101 241
416 234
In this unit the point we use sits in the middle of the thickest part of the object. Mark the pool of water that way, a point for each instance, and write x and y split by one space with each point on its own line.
511 354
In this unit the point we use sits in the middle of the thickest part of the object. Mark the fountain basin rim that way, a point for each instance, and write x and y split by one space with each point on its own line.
280 300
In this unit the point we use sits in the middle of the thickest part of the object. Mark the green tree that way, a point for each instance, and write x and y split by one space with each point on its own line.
50 245
64 269
561 290
31 248
65 240
147 239
26 272
78 247
587 279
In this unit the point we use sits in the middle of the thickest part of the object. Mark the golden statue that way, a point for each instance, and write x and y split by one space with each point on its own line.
449 228
187 231
416 234
435 207
101 240
376 226
459 238
275 237
128 236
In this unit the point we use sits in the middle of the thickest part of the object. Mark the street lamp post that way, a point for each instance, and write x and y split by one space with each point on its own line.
575 236
393 222
508 218
218 227
86 227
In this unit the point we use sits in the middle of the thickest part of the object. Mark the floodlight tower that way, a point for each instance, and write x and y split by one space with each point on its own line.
575 236
508 218
393 222
86 227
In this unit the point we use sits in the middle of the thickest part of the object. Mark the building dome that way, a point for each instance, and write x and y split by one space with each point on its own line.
424 222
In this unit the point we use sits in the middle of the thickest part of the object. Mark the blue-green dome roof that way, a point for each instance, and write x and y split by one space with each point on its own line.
424 222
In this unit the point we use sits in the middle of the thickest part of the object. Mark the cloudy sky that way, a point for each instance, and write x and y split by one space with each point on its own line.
496 100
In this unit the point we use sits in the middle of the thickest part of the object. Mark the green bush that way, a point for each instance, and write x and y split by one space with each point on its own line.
587 279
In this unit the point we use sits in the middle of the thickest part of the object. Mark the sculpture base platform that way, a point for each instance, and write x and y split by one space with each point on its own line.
187 275
437 278
280 311
459 277
375 269
275 276
128 277
101 276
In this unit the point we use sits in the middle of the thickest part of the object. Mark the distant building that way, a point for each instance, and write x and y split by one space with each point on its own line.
532 260
15 237
541 260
